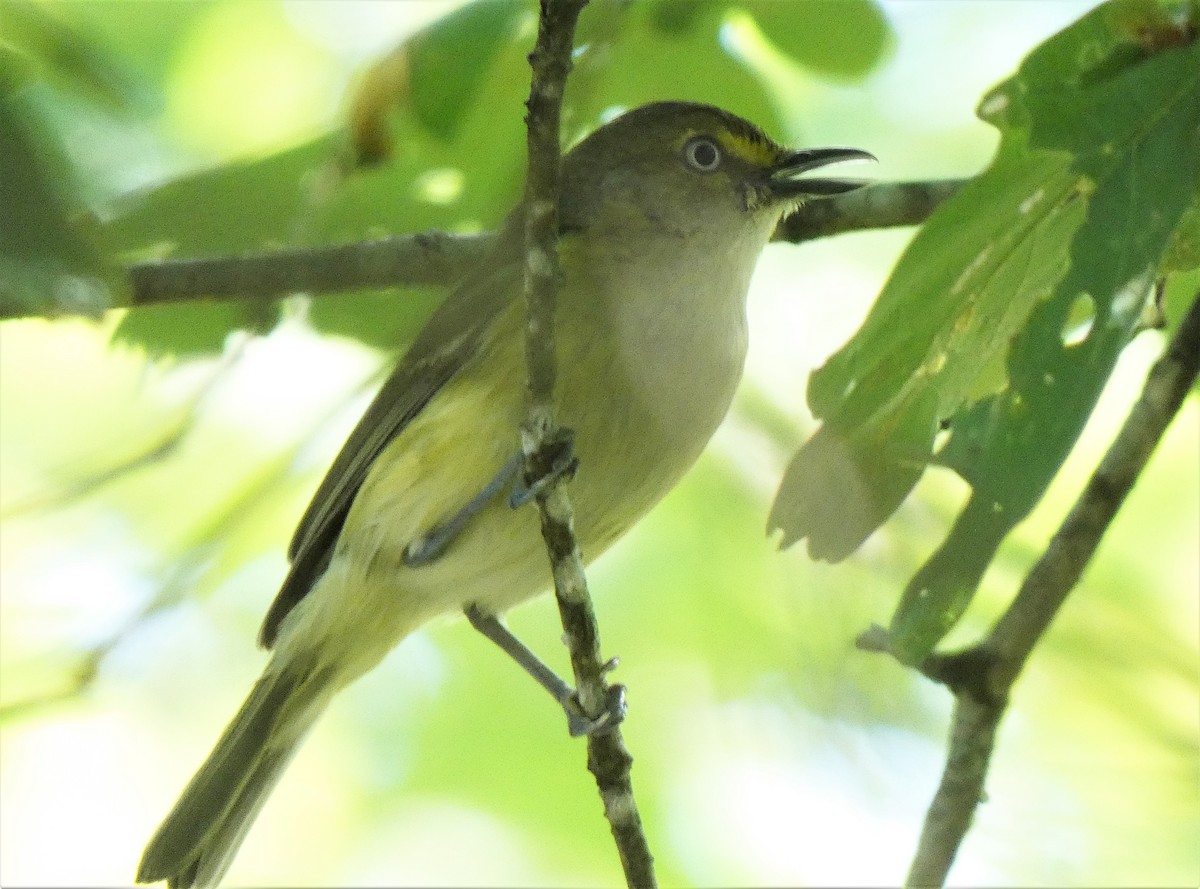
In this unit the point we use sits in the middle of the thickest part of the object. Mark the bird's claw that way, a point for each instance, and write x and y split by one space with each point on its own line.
563 465
612 715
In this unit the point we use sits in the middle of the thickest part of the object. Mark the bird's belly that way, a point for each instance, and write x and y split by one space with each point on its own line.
639 426
627 464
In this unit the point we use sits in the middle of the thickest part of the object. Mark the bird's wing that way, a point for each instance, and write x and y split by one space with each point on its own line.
451 337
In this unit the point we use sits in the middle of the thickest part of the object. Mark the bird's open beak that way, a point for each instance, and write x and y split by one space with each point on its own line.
785 180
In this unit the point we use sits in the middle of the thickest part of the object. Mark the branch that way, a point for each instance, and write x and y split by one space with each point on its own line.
881 205
982 677
440 259
434 258
543 442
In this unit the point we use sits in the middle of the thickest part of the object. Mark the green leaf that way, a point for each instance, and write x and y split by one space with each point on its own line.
1184 253
966 283
385 319
677 17
234 208
1136 135
50 262
1183 288
1099 159
305 196
840 38
69 55
294 197
196 328
844 483
451 58
633 61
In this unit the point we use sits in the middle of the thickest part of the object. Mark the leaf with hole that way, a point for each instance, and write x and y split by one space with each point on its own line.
1099 159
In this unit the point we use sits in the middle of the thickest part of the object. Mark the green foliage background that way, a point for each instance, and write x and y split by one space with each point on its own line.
148 487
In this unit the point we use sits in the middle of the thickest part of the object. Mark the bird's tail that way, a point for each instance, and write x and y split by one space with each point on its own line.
197 840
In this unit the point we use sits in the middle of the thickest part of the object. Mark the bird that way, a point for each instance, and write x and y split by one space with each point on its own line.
663 213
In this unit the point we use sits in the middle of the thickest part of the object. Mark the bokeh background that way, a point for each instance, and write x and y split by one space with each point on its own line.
147 494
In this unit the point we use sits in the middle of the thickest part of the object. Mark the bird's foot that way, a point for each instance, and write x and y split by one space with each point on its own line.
559 455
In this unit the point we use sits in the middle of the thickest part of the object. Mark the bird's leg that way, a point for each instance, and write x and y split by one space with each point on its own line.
563 463
430 545
433 543
578 722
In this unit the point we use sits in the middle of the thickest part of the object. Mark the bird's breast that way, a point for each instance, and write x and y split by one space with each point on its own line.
651 350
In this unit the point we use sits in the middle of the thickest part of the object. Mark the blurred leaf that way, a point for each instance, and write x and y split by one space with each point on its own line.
638 62
842 38
69 55
383 88
194 328
140 40
437 72
246 205
386 319
451 57
299 197
1184 253
1099 159
1182 289
49 263
94 92
466 78
302 196
231 209
676 17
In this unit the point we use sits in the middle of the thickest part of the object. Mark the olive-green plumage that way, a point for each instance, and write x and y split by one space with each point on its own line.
663 213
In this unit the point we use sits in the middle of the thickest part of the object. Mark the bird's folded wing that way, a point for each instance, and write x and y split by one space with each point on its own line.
448 341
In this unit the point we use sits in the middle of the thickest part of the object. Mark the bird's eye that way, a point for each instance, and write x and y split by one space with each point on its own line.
702 154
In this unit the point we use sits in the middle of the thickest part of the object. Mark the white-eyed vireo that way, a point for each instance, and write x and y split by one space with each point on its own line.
663 213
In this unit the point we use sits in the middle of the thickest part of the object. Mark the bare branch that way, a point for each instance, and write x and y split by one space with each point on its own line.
982 677
880 205
435 258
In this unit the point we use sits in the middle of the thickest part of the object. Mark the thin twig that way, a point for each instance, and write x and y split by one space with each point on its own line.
982 677
440 258
543 441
